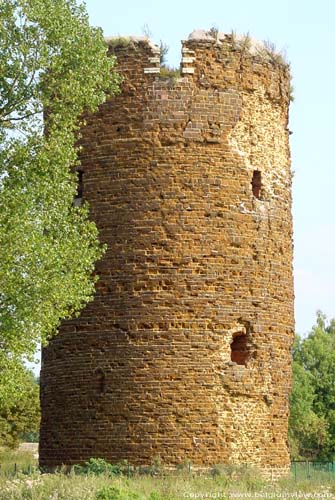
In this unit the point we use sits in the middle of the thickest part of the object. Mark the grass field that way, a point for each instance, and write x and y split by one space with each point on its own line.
26 482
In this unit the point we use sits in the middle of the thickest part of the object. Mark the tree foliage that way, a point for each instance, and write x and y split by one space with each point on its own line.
52 62
21 415
312 418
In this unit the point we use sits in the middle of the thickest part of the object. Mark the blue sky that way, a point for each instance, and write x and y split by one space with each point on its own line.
305 30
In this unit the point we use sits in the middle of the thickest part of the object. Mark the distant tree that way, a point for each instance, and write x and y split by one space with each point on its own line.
312 419
164 49
20 416
52 63
308 433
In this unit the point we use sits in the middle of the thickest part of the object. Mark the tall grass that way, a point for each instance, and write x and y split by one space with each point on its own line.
90 483
16 461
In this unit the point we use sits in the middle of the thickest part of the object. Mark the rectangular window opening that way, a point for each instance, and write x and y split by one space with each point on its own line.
256 184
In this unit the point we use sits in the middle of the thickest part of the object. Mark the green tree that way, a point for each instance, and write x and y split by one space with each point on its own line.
52 62
21 415
308 433
312 419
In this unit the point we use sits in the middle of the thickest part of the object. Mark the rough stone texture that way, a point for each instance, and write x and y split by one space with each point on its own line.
197 278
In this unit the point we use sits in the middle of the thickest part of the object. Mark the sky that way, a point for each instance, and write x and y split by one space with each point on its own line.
305 31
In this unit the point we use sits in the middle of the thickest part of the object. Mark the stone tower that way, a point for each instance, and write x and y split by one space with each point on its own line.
185 351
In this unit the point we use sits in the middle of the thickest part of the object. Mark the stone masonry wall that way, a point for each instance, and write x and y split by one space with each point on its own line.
185 351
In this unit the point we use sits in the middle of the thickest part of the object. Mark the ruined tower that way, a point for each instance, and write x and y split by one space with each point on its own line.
185 351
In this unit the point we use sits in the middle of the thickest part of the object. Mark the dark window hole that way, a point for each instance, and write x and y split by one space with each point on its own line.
100 378
239 349
256 184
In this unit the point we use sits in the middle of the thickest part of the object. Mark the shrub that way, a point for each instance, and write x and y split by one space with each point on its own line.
98 466
172 73
113 493
108 493
246 474
156 496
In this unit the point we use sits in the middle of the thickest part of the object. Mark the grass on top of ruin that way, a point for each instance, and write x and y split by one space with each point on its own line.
101 481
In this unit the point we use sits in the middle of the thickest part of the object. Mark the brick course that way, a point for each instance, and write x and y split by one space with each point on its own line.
185 351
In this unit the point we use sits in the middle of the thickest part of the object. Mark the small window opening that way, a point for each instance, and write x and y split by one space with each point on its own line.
78 201
239 348
100 380
256 184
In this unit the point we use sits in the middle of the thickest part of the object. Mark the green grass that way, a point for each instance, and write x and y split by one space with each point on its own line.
14 461
72 487
100 483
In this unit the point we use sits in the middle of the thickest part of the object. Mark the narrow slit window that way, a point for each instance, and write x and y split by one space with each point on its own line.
239 349
100 381
80 189
256 184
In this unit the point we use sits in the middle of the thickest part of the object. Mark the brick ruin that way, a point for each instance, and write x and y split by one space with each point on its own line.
184 354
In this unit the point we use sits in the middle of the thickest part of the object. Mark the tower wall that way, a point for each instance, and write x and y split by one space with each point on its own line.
185 351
